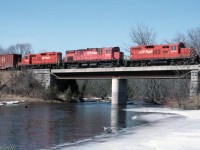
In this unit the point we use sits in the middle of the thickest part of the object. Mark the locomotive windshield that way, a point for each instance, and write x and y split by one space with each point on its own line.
182 45
173 48
116 49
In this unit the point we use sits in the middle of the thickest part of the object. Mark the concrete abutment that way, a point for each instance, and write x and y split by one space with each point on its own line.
43 76
194 83
46 79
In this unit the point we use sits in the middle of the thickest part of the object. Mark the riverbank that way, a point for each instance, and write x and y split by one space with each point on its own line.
21 99
25 99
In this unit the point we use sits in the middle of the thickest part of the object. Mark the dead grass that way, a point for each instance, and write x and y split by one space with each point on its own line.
188 104
6 76
192 104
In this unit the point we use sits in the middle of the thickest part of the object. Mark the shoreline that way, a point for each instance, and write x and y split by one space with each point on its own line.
25 99
21 99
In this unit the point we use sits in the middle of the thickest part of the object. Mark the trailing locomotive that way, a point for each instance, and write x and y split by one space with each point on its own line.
169 54
94 57
41 61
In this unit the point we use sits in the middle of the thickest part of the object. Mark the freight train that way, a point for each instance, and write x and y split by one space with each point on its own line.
169 54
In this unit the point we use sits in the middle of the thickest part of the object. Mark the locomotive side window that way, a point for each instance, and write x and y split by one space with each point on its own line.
156 51
173 48
70 58
99 51
150 46
165 46
107 51
26 57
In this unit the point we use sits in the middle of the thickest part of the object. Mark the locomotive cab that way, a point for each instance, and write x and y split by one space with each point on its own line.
26 60
117 54
178 47
182 45
69 56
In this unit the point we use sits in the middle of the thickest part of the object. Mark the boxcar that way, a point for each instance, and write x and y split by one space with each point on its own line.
42 60
94 57
9 61
162 54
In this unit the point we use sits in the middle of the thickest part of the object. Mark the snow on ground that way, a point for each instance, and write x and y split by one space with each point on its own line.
169 129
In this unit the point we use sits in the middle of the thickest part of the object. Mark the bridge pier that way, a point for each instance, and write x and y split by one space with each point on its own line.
194 83
119 91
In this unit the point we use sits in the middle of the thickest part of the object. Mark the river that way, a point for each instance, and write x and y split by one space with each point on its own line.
43 126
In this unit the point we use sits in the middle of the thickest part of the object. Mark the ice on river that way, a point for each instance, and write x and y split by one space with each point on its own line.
167 129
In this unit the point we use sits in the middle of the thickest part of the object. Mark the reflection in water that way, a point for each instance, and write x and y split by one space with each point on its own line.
47 125
118 117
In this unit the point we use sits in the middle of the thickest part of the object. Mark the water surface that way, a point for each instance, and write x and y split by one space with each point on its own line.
42 126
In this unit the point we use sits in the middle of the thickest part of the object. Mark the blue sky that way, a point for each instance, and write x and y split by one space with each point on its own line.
59 25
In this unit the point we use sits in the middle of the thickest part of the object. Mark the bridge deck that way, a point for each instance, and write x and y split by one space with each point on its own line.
125 72
127 69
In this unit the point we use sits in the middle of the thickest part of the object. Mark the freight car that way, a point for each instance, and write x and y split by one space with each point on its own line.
94 57
9 61
41 61
170 54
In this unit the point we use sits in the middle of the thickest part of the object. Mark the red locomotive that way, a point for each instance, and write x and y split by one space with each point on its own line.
170 54
9 61
94 57
42 60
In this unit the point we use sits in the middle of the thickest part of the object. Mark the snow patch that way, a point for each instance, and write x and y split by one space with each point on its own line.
167 131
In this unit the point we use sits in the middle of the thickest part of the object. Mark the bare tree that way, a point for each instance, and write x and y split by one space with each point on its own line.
179 37
150 89
134 89
153 90
98 88
142 35
83 85
181 92
194 38
20 49
2 50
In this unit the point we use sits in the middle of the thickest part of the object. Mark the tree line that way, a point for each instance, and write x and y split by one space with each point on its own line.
24 48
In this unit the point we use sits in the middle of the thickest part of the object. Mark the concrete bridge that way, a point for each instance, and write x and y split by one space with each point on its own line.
120 74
